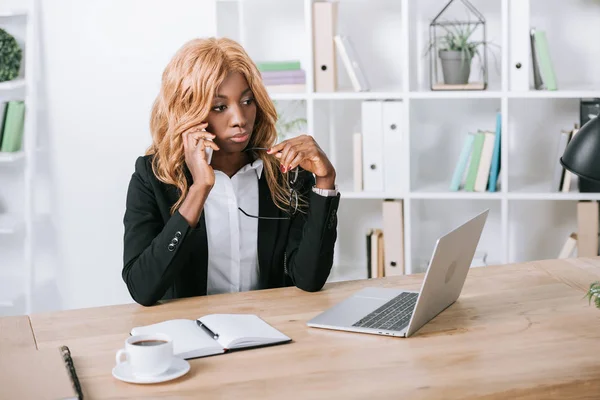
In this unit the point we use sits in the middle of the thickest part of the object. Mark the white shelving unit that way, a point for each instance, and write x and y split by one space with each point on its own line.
17 169
527 220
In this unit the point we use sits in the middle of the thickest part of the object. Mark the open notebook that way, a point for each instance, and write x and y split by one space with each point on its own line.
215 334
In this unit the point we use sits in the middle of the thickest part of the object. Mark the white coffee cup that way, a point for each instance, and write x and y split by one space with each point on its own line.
148 355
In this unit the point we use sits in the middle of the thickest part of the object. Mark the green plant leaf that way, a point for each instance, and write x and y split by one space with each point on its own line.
593 294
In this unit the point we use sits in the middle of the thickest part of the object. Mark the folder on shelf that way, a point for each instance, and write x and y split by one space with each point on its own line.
559 171
3 108
569 247
485 162
587 228
496 158
474 162
376 253
519 45
537 76
542 52
324 30
357 165
393 237
568 176
372 134
351 63
392 145
12 131
463 161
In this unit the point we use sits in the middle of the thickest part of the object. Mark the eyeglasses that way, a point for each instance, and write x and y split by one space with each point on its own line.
293 200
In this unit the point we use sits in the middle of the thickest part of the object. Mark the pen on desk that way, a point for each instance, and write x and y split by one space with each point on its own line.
206 328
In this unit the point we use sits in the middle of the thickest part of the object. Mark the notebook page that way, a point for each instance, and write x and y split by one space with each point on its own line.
189 340
242 330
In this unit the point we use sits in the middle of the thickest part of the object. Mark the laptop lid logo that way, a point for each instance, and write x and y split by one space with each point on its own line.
450 271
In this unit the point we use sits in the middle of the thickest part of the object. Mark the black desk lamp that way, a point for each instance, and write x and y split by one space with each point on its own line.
582 156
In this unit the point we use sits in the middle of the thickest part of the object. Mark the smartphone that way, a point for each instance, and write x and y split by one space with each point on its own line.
208 151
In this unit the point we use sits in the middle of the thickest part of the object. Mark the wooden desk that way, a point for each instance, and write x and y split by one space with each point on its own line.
517 331
16 333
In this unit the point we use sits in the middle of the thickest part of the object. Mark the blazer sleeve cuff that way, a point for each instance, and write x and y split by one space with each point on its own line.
324 208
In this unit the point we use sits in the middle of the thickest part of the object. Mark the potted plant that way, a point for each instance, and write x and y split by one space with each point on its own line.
10 57
456 52
285 125
593 293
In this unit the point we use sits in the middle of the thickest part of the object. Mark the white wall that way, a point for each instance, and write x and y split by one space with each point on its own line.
101 67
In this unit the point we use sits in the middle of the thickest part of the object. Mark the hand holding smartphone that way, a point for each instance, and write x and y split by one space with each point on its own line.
208 150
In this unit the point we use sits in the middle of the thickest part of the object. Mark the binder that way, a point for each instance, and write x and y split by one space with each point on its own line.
393 237
373 165
392 145
324 30
519 45
587 229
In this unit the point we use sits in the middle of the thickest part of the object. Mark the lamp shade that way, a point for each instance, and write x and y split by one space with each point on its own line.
582 155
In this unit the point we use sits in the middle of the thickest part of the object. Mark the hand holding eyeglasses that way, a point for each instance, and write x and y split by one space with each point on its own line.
304 151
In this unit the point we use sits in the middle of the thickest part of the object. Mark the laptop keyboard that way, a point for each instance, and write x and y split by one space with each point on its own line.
393 315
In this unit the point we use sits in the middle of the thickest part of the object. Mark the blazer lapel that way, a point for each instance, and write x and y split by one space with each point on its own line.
268 230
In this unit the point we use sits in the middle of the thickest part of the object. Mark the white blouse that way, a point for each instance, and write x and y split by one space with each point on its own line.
233 236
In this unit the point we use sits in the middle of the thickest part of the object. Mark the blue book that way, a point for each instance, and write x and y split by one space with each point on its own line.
461 165
495 169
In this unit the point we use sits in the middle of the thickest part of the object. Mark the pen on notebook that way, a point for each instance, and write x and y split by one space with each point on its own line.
206 328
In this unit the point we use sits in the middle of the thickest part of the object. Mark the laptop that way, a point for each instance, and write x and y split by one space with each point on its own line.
397 312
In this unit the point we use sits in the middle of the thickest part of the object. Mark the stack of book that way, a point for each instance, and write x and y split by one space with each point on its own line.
478 166
283 76
12 117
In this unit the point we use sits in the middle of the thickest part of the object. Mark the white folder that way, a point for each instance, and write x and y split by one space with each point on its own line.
520 44
324 29
372 133
393 237
392 145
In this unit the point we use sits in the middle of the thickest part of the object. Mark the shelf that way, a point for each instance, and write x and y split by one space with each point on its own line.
441 192
13 13
370 195
456 94
539 191
288 96
574 93
11 157
389 93
15 84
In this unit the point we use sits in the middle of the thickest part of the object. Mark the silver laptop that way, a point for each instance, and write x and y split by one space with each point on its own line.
396 312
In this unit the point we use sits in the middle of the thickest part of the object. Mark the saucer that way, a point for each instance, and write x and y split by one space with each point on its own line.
179 367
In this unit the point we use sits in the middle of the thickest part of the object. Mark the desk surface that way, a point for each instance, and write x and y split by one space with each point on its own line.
16 333
517 331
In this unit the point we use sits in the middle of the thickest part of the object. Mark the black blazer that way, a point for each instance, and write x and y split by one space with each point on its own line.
164 258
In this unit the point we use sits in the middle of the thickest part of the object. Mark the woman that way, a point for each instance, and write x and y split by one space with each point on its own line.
258 216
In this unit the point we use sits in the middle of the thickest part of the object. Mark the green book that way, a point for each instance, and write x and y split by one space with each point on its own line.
278 65
12 134
474 164
542 53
